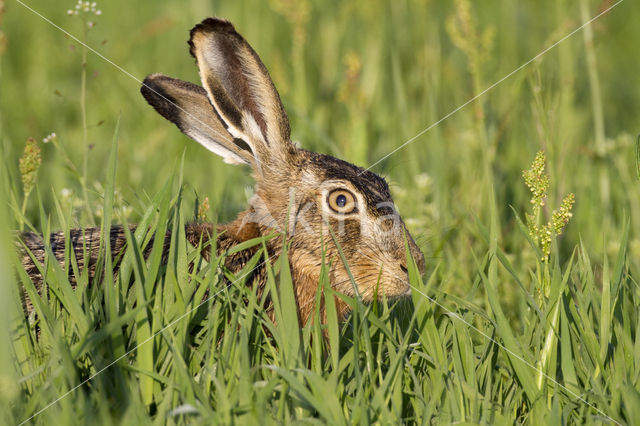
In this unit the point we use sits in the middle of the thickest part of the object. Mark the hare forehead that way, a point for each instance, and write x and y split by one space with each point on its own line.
309 179
327 168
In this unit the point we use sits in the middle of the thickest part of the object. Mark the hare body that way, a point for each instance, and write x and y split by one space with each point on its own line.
322 204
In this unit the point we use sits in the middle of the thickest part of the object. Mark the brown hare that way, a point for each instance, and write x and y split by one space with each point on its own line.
321 202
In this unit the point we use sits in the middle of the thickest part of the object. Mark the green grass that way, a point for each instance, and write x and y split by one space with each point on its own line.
491 334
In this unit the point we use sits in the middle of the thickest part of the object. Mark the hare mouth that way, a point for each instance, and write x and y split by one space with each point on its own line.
398 287
407 291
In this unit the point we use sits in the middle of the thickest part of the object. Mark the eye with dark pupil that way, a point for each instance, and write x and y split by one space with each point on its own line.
341 201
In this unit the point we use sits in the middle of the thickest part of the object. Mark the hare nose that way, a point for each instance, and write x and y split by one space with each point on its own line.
420 263
418 258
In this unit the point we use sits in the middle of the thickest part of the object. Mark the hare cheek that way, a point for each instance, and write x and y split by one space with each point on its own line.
346 229
384 235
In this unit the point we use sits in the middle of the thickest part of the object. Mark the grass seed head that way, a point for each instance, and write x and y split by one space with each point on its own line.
538 183
203 208
29 164
465 35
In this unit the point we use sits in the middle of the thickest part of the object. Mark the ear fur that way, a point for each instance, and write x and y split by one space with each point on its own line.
240 89
187 106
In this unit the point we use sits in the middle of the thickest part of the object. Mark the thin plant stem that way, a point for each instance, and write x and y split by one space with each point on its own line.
83 111
596 103
23 210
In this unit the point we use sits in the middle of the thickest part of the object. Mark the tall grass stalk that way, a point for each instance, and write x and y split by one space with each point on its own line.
596 103
83 113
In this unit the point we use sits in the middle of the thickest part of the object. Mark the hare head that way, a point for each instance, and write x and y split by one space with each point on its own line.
328 208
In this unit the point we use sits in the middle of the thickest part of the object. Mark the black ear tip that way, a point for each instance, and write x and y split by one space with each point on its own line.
144 88
210 25
217 25
147 89
154 93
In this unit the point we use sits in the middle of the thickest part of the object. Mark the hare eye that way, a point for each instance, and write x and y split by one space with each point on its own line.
341 201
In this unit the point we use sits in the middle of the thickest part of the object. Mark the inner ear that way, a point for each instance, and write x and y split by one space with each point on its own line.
241 144
188 107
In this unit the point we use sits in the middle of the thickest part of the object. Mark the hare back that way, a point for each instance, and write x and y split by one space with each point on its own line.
85 245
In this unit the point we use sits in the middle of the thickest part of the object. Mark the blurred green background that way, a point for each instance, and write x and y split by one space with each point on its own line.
358 79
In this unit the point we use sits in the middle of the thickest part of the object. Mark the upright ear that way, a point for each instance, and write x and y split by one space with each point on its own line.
240 89
187 106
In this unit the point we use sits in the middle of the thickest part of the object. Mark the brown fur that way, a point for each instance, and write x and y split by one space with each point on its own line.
239 116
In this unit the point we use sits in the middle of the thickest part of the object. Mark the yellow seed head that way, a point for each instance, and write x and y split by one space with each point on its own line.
203 208
538 183
29 164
